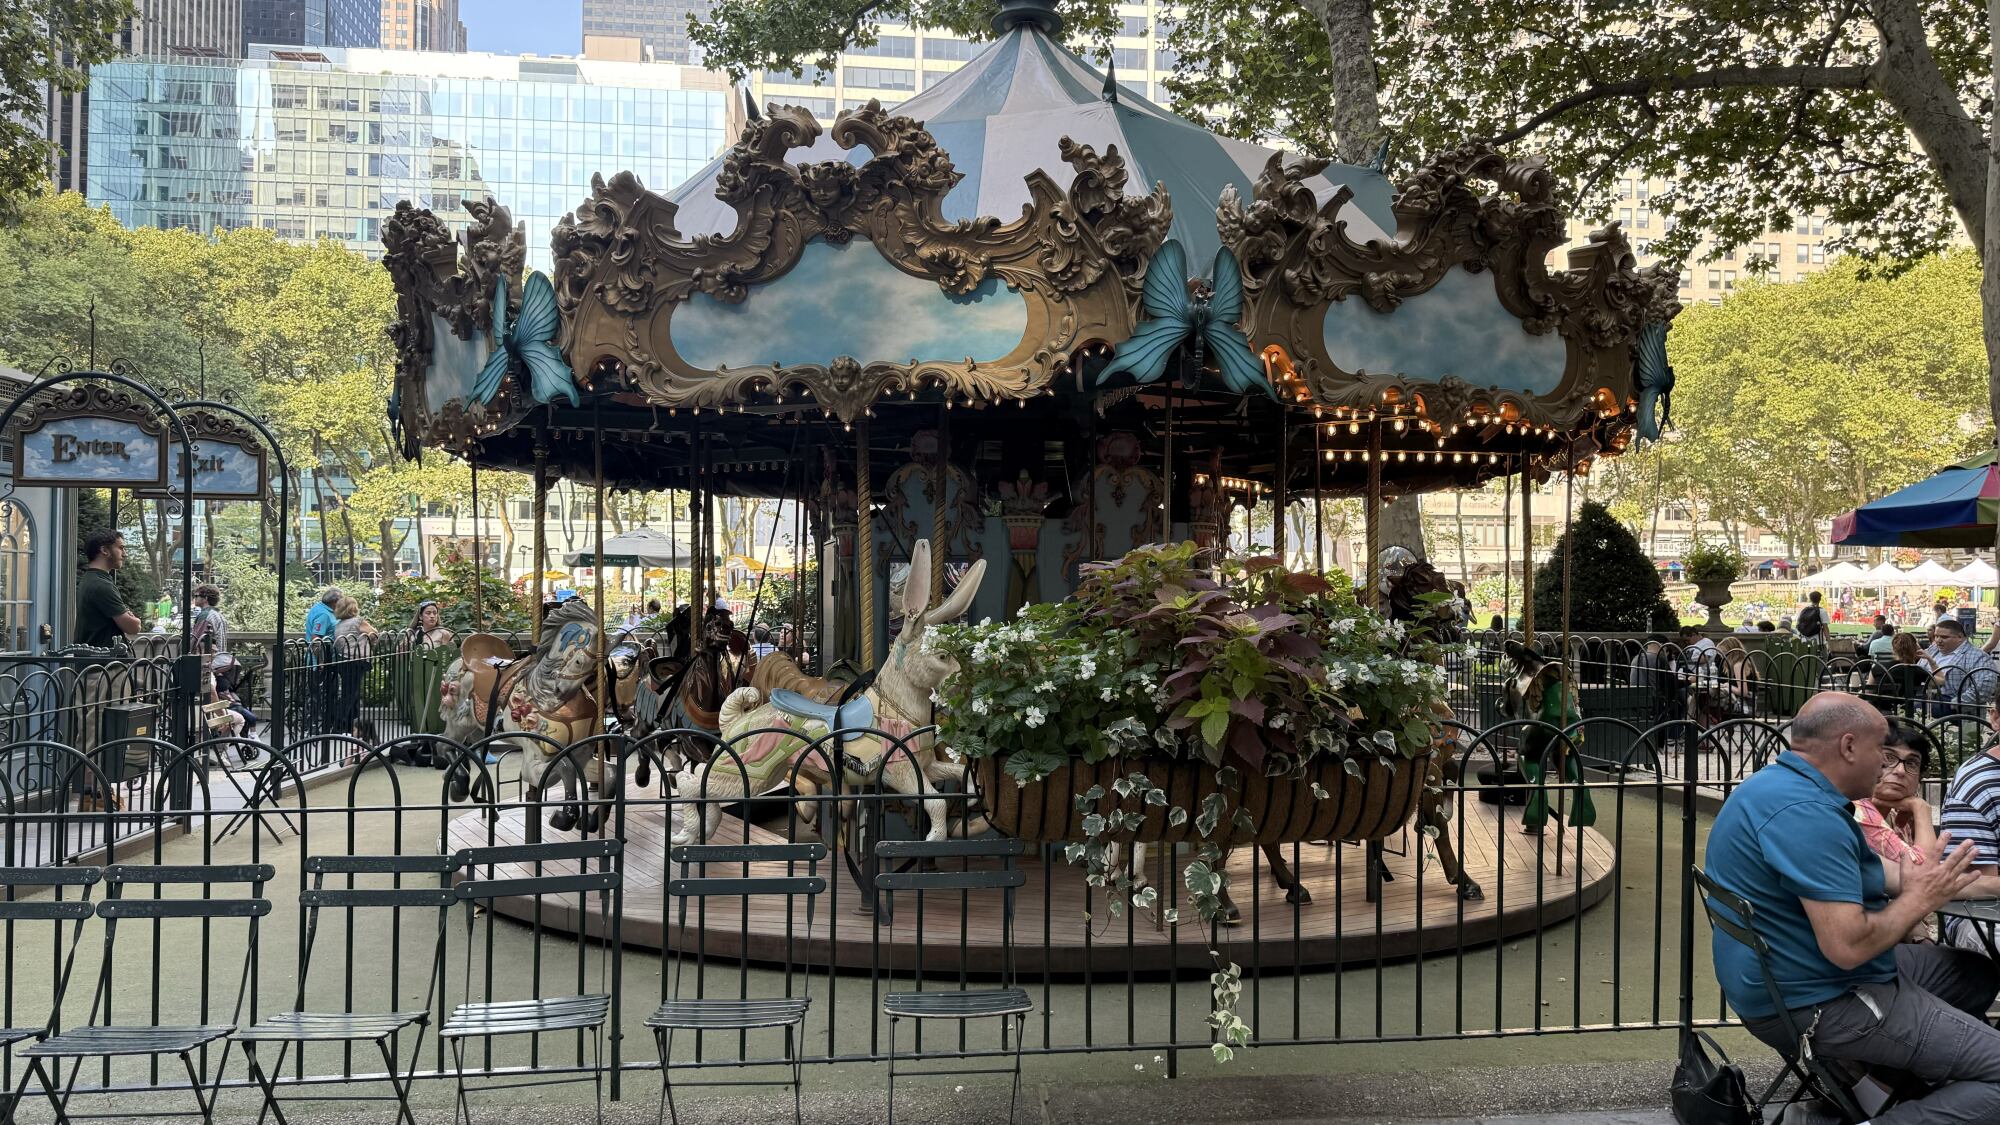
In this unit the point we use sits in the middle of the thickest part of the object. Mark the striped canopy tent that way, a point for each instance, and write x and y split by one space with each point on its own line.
1958 507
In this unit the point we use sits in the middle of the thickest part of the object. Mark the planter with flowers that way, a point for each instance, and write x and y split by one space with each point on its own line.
1169 702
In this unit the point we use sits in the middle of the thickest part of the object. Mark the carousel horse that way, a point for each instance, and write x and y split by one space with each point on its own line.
684 689
790 720
1418 595
547 692
1540 690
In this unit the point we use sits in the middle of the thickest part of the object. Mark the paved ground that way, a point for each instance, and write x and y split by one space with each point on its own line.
1591 973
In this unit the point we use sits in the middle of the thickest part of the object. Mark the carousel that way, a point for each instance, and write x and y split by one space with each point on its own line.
1026 321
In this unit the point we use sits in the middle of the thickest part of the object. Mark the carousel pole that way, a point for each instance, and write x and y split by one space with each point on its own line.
1167 473
1319 505
597 563
696 546
940 487
864 491
1279 497
478 560
1527 552
541 526
1372 520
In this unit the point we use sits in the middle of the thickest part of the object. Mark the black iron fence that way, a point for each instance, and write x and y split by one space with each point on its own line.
1584 927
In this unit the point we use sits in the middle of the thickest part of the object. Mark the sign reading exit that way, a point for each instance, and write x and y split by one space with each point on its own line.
223 470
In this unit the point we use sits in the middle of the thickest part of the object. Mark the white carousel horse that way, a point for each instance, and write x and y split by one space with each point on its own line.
898 704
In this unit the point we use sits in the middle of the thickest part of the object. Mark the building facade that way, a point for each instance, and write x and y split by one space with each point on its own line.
313 144
660 26
177 28
422 25
313 23
1777 255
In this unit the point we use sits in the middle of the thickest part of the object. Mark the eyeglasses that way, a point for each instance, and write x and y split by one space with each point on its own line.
1891 762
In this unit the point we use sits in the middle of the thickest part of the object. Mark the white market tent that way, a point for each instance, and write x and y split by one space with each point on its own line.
1930 573
1887 574
1839 574
1978 572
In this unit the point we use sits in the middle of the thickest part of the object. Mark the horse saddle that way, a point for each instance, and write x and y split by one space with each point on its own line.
850 719
487 657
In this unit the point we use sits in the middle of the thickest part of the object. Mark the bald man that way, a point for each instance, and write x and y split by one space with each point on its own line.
1788 842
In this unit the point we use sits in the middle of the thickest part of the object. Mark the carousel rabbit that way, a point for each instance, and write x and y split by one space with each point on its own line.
897 704
545 693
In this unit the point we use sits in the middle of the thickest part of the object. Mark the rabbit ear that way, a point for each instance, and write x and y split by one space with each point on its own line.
955 606
917 586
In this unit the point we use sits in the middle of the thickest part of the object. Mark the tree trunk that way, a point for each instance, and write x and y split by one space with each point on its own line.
1458 519
1357 90
1908 78
1989 274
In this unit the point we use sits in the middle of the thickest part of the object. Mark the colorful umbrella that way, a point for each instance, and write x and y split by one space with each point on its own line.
1959 507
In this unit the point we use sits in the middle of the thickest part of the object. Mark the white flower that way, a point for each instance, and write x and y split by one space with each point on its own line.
1106 694
1034 717
985 621
1088 667
1278 721
936 699
979 705
1344 625
1046 685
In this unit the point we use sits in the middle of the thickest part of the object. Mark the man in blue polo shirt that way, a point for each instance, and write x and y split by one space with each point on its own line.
1787 841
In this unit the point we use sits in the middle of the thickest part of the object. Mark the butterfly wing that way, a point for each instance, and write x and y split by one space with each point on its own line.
1169 319
1165 293
1241 371
1226 307
1655 378
495 371
548 376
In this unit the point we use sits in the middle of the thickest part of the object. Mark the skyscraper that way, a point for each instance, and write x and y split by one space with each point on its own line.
185 28
313 23
312 143
660 26
422 25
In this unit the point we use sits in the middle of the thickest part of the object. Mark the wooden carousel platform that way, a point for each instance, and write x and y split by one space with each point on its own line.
1529 881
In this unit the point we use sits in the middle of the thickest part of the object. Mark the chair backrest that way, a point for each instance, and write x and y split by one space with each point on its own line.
54 909
748 872
1739 924
436 894
580 880
904 871
249 904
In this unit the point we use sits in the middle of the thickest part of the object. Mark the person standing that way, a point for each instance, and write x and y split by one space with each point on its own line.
211 629
1812 623
319 662
102 622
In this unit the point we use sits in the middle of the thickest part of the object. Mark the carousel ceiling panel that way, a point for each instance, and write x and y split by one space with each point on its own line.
1457 329
845 299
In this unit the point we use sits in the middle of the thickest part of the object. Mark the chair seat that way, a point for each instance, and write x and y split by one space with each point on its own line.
721 1014
328 1027
526 1017
950 1005
95 1042
12 1035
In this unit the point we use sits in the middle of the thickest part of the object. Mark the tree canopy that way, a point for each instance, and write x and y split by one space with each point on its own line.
44 43
1611 584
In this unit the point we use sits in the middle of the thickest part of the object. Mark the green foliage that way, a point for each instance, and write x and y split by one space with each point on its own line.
44 43
250 593
744 35
1713 562
501 610
1613 586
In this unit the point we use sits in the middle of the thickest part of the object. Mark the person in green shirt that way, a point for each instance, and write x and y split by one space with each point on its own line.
101 616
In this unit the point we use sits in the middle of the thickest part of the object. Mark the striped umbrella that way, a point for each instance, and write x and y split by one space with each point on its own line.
1959 507
1002 115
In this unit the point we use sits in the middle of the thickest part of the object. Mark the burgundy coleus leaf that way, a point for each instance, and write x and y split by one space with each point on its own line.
1258 564
1296 646
1308 584
1248 742
1251 709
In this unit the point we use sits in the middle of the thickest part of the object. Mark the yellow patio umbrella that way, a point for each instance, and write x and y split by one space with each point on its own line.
656 573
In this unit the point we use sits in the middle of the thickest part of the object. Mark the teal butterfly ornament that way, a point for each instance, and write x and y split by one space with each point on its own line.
1206 324
527 342
1655 379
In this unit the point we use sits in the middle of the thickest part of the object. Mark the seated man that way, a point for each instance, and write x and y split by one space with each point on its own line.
1788 842
1965 676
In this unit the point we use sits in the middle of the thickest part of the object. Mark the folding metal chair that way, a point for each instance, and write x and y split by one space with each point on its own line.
700 1013
1811 1072
104 1041
962 1004
13 880
301 1026
491 1018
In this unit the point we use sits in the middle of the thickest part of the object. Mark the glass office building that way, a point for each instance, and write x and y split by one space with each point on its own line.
314 144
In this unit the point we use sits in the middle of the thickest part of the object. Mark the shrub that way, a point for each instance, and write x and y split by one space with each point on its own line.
1613 586
1714 562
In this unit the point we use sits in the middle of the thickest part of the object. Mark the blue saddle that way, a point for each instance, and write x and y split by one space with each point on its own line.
850 719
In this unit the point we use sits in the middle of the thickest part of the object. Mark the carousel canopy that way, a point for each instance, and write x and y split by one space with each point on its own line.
1010 110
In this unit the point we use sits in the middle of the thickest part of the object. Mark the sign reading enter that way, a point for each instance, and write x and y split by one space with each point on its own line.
91 451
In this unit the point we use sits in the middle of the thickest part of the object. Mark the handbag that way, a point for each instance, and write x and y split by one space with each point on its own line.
1706 1091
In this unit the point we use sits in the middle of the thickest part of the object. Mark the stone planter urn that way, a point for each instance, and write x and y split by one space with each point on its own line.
1714 594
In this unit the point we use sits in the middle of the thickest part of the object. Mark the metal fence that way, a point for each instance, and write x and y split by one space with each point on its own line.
1576 930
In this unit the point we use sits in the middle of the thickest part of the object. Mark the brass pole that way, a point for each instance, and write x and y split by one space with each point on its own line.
478 556
697 611
541 530
1527 553
1373 518
1319 501
864 490
1279 497
940 487
601 648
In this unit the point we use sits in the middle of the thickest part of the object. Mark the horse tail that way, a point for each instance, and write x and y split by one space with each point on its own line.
738 704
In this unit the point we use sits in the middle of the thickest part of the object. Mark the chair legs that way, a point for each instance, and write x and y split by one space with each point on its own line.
461 1109
892 1070
1020 1033
663 1038
204 1101
265 1082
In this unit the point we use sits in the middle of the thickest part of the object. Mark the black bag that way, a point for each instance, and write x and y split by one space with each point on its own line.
1708 1092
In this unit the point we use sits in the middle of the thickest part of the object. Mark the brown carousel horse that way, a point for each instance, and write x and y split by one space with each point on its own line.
683 689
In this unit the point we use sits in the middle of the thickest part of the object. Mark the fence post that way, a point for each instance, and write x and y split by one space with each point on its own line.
1690 784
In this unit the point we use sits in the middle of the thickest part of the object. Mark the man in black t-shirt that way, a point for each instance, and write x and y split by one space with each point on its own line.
101 616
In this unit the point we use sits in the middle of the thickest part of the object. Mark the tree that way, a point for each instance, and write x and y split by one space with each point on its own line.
1754 114
45 43
1611 585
